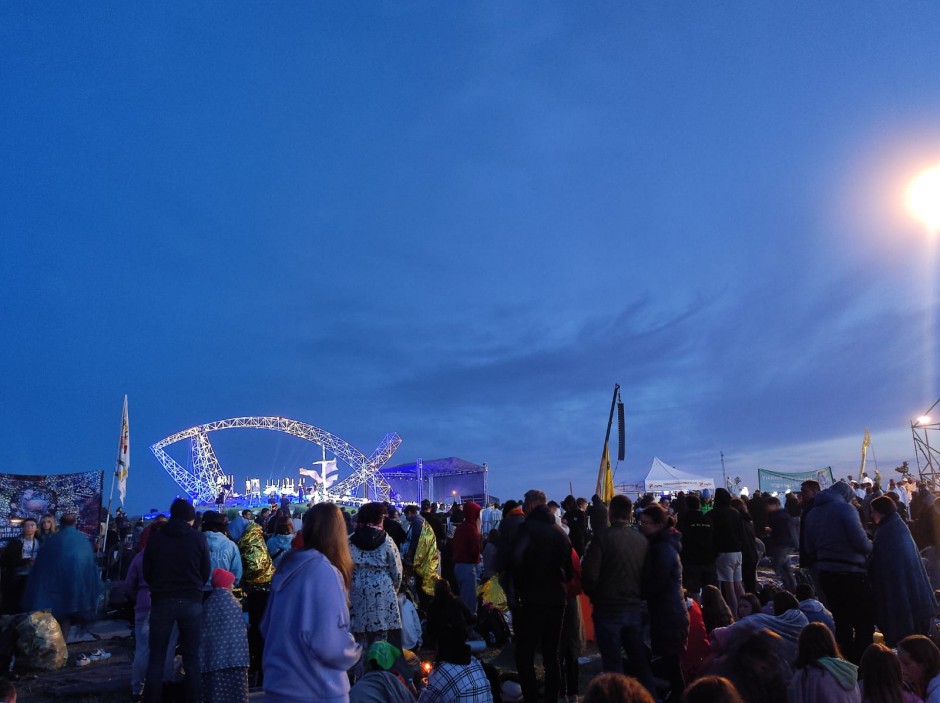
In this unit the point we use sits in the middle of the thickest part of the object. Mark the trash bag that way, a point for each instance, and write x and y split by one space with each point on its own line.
40 642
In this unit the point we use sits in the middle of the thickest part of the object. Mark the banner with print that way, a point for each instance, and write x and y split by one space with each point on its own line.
35 495
775 481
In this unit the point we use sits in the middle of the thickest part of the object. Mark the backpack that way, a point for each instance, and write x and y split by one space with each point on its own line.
492 625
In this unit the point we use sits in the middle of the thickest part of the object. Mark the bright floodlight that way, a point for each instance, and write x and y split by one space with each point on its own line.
923 420
923 197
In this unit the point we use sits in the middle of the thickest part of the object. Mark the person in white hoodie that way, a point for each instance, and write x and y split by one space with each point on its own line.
307 661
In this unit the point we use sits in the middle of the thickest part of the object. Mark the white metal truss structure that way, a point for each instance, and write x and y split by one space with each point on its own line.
203 481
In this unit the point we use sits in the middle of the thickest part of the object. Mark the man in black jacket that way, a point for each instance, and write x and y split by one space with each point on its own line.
541 566
698 549
612 575
176 565
729 541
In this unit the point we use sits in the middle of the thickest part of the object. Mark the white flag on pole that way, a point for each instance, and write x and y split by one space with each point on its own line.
123 455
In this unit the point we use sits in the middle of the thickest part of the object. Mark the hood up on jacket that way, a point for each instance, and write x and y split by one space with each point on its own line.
368 538
837 492
471 511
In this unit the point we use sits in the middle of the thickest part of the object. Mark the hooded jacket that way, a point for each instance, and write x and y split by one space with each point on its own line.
375 581
727 525
466 543
829 679
223 554
669 616
307 661
835 538
903 598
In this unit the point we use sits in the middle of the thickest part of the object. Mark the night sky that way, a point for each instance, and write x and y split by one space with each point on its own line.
464 222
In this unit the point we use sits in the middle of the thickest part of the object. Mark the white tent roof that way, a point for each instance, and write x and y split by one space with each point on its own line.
663 477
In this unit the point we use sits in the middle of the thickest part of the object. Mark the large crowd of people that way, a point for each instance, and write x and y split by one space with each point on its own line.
341 605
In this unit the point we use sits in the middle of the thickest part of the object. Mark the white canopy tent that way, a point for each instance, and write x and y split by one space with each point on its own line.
663 478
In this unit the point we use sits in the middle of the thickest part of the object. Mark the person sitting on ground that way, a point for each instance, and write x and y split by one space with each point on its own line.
881 680
712 689
760 670
456 675
279 544
616 688
748 605
920 667
411 633
223 652
787 622
821 672
379 683
812 608
715 612
447 612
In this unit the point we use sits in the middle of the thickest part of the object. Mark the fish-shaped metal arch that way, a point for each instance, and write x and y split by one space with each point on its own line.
202 482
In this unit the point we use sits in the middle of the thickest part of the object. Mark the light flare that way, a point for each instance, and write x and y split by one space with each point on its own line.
923 198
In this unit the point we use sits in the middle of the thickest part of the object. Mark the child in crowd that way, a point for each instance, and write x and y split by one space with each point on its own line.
224 648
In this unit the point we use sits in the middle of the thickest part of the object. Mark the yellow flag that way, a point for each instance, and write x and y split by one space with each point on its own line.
605 479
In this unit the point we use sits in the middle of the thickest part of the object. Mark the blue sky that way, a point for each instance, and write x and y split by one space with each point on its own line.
464 223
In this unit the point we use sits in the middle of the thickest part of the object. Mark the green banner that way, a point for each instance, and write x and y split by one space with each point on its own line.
775 481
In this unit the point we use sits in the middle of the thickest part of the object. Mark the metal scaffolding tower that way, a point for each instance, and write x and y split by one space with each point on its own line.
202 482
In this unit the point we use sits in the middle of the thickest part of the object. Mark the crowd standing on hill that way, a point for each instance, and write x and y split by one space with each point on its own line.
338 605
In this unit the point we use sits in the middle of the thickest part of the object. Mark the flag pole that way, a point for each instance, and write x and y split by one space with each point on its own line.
119 465
604 476
610 420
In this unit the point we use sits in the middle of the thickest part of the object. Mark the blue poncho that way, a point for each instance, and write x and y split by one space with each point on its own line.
64 578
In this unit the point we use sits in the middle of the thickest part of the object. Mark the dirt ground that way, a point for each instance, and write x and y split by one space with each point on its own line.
109 681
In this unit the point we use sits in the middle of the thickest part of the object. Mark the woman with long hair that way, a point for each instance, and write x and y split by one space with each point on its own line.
881 680
48 526
308 643
748 604
669 617
715 611
920 667
821 672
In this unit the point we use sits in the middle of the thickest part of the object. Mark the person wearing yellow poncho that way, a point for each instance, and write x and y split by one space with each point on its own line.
258 569
419 550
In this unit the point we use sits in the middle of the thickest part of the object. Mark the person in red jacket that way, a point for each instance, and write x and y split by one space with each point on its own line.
572 633
467 550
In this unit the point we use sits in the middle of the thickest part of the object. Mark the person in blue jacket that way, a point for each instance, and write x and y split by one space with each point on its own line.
837 543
